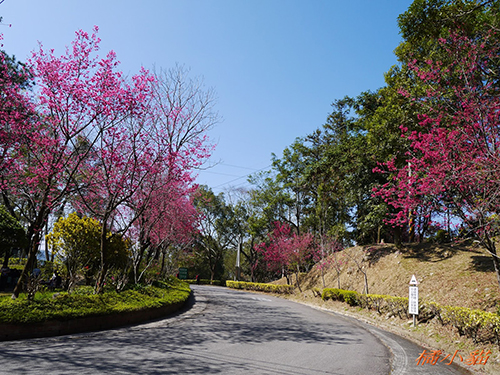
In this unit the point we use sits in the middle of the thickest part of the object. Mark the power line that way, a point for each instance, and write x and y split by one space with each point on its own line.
222 174
237 166
236 179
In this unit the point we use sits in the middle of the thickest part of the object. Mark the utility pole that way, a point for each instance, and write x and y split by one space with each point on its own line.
411 216
238 261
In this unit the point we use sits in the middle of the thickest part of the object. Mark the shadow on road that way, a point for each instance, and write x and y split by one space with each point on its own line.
187 347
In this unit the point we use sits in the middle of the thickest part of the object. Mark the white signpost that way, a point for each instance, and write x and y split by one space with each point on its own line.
413 299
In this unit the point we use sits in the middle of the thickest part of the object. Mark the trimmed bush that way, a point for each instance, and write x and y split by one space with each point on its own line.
348 296
63 306
206 282
260 287
479 325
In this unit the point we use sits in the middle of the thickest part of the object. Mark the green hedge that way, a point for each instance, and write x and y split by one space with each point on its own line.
63 306
206 282
480 326
260 287
348 296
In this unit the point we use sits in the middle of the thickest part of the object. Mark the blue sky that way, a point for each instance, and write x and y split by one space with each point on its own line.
276 65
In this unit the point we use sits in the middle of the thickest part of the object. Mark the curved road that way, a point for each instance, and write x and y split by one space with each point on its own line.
226 332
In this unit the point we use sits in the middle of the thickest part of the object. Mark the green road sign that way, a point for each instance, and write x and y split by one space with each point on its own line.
183 273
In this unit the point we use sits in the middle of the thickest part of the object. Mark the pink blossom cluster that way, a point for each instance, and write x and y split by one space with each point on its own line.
285 250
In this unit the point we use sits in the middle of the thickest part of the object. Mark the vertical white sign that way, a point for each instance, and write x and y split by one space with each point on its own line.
413 300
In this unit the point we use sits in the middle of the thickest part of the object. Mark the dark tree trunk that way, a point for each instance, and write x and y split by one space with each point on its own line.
6 258
34 235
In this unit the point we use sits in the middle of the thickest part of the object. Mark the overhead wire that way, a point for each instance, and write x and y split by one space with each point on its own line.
240 177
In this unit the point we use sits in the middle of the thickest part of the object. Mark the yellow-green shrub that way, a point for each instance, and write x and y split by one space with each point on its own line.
479 325
206 282
348 296
260 287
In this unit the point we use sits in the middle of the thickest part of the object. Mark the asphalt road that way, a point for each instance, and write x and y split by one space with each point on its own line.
226 332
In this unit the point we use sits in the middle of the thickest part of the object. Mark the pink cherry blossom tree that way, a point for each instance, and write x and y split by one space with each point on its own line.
124 168
182 112
151 152
77 100
179 115
453 162
287 252
275 249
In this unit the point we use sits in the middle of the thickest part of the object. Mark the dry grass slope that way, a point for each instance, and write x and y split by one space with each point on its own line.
457 275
